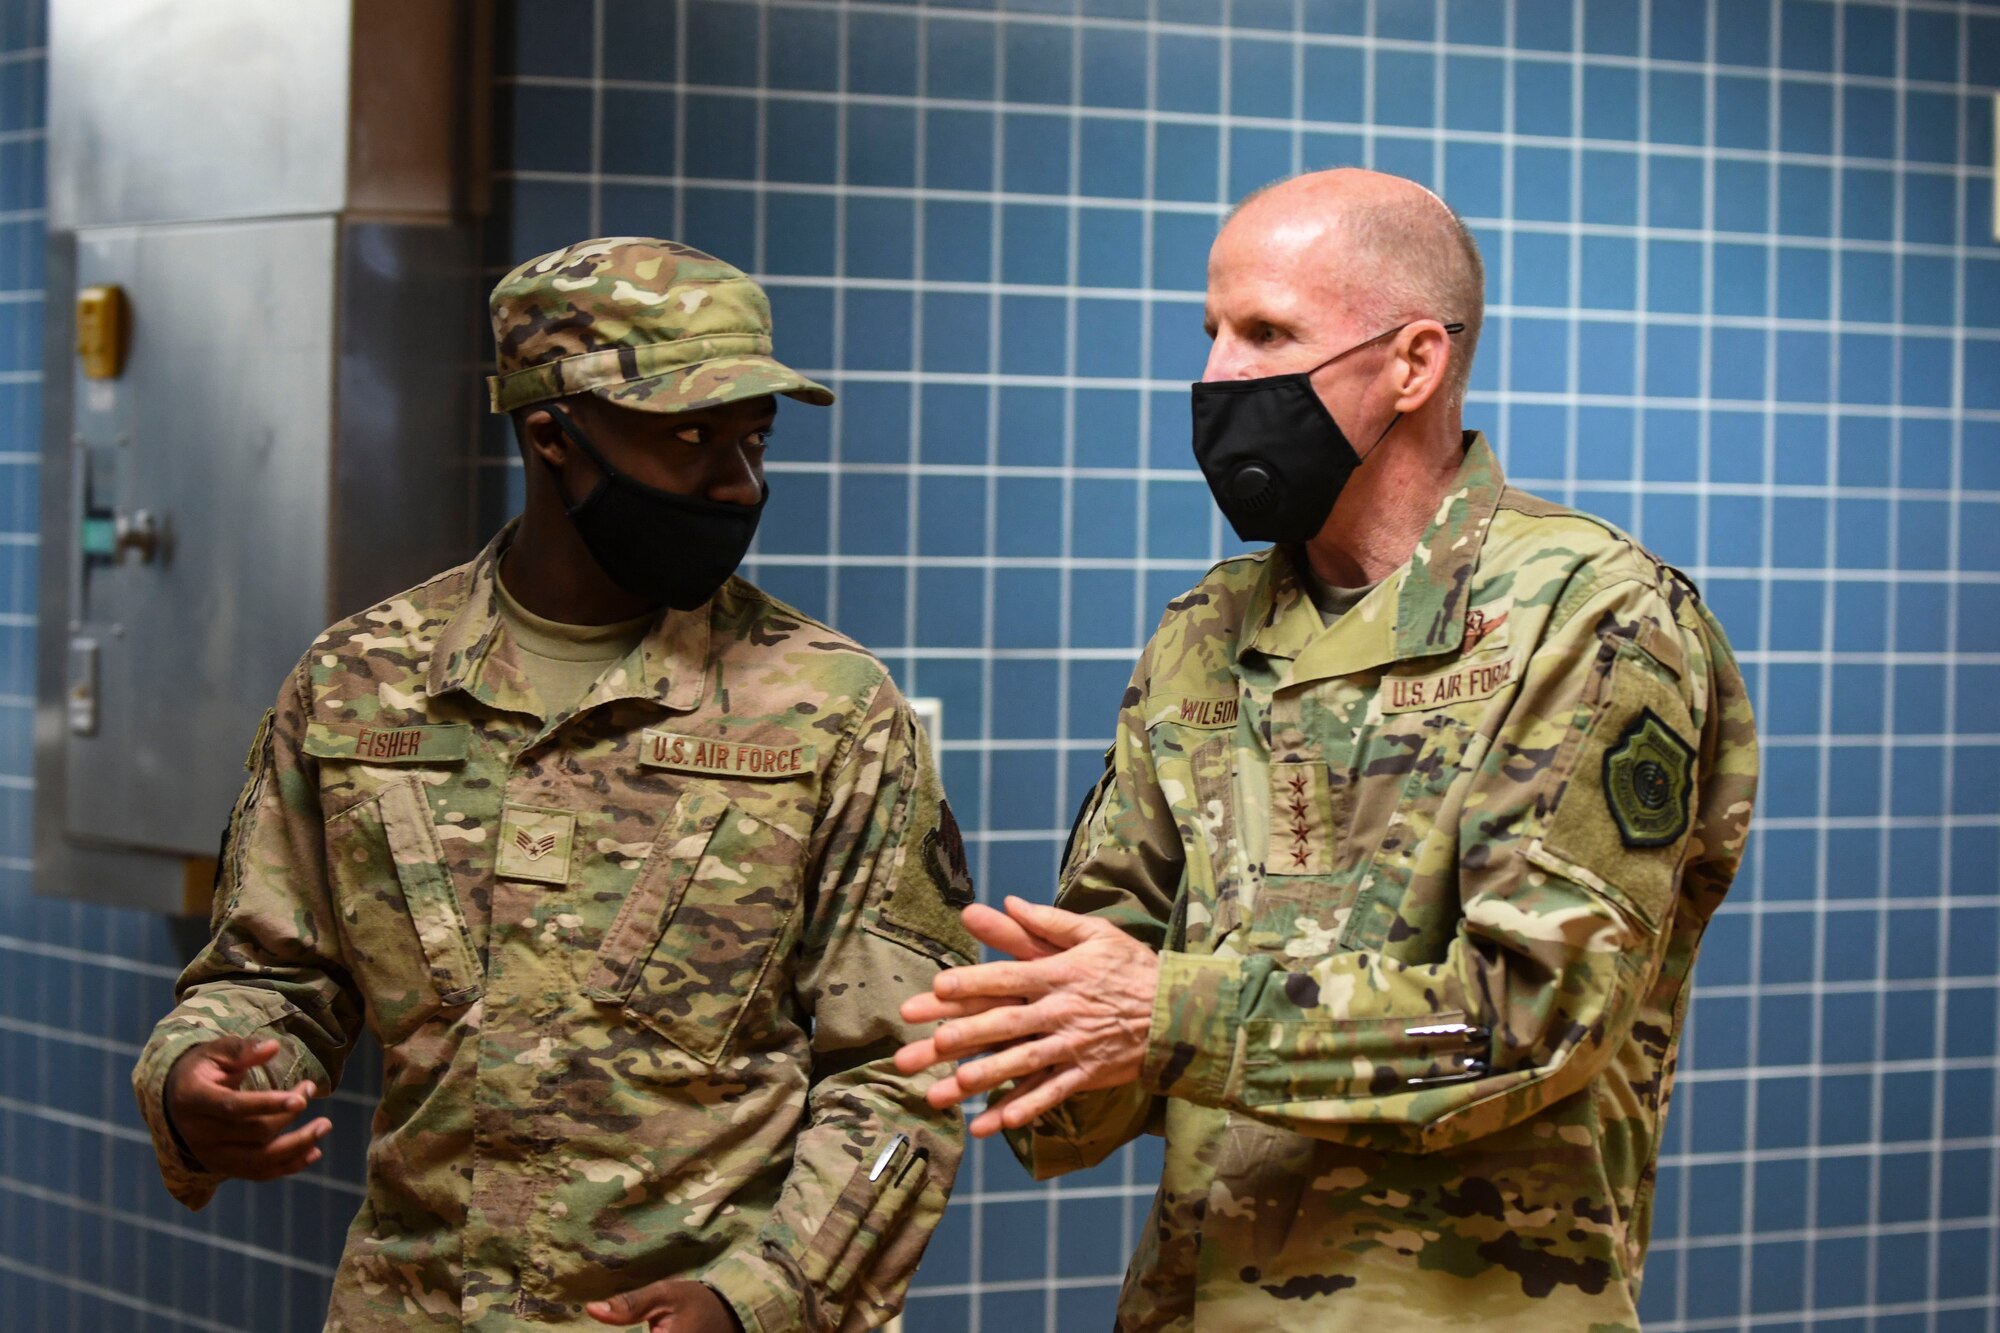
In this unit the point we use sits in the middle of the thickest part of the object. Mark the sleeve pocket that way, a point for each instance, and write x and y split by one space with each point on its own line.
867 1232
1623 814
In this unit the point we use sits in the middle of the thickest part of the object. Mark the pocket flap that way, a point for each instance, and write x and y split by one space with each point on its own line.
677 851
428 892
688 953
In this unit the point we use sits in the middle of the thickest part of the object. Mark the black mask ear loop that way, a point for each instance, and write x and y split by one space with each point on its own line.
1450 329
575 435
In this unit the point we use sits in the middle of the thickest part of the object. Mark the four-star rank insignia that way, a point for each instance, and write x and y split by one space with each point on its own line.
1649 782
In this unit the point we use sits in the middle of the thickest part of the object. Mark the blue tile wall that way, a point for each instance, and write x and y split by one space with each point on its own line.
1743 301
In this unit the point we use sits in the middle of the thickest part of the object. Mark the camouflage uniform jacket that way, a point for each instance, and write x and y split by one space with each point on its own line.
634 969
1427 885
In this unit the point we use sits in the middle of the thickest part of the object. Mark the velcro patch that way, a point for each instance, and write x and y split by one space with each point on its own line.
1642 720
1649 781
931 885
725 758
440 743
535 844
944 853
1460 685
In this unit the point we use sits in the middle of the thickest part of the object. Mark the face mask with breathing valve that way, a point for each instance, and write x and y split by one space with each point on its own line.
1275 459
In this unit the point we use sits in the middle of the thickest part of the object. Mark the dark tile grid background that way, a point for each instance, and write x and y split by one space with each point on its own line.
1743 303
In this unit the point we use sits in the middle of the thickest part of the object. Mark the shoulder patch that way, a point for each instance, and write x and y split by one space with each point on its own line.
931 885
944 855
1625 798
1648 782
255 757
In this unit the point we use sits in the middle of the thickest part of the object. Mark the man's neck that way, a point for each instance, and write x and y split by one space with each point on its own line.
1387 506
549 571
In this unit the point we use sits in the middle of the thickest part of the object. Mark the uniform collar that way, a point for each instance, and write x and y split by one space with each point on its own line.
475 653
1417 611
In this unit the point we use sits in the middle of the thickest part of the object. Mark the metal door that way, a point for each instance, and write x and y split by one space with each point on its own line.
198 540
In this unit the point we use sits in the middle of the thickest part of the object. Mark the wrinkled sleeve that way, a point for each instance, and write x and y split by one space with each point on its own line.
272 967
1566 912
874 1165
1125 862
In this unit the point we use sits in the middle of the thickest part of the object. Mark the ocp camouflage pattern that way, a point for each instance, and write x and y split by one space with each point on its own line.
638 1005
647 324
1420 997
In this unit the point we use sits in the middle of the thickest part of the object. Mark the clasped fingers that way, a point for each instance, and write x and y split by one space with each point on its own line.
1003 981
962 1038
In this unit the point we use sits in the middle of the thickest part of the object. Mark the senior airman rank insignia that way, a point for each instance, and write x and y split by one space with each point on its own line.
535 844
1648 779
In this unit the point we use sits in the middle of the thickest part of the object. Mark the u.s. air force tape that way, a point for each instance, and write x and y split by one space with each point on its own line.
718 757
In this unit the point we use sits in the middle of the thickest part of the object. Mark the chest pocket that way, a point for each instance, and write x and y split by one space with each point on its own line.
402 925
688 954
1408 797
1195 772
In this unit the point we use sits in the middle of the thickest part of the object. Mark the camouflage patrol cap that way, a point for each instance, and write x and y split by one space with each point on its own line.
646 324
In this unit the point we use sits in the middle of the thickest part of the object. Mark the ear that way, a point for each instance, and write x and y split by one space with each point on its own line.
539 435
1423 355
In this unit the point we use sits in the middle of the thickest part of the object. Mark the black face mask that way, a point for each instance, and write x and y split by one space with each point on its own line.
1275 459
666 549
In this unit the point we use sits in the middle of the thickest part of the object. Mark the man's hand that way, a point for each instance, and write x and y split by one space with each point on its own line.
232 1132
670 1306
1073 1014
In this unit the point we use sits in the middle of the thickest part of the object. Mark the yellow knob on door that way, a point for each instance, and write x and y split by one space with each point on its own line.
103 329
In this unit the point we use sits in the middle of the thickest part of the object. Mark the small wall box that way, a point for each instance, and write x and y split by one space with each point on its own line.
103 324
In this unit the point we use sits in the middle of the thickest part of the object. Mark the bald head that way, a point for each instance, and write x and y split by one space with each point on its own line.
1382 249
